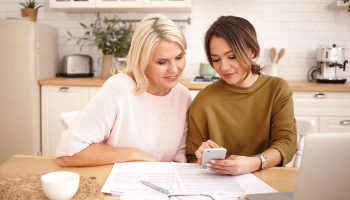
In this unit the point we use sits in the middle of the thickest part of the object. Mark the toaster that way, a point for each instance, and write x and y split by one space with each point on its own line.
77 65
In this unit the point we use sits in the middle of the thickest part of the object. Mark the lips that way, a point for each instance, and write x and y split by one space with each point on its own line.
228 75
172 78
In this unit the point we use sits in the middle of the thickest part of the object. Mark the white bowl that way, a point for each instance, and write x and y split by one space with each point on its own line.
60 185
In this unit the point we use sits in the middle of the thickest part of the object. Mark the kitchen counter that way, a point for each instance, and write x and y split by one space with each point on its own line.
294 85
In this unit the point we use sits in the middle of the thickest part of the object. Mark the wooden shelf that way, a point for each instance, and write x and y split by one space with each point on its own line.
338 5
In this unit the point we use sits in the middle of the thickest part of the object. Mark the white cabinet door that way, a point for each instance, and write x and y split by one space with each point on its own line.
335 124
119 3
93 91
322 103
331 108
54 101
123 5
167 3
72 3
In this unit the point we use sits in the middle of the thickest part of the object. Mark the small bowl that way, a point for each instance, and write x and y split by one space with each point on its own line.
60 185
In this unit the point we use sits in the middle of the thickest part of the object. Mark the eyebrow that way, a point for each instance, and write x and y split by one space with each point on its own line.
228 52
180 54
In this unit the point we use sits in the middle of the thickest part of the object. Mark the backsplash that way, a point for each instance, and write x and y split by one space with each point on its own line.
299 26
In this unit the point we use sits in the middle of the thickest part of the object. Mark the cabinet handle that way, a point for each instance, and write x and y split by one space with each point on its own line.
64 89
345 122
320 95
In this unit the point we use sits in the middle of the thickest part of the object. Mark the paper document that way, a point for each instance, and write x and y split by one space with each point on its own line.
178 178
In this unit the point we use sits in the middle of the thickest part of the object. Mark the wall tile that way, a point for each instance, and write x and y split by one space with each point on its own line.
299 26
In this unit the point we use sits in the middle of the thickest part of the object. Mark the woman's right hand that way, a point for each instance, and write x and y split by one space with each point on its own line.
205 145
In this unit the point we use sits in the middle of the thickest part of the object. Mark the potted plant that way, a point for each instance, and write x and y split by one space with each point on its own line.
347 1
111 35
30 9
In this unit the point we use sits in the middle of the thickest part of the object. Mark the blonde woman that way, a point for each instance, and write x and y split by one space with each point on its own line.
139 115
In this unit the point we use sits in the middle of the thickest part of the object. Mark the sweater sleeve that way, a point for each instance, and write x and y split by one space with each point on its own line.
180 154
283 127
197 131
93 125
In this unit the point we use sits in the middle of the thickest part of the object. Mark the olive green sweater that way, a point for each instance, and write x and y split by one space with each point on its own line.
246 121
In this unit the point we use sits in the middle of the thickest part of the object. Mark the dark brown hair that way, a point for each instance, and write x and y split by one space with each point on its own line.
241 36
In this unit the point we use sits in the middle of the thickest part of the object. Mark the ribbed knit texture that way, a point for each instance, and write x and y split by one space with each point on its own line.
119 118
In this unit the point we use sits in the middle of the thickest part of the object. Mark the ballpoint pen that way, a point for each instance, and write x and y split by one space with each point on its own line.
155 187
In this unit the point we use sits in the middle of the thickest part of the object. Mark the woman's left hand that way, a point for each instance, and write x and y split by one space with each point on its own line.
235 165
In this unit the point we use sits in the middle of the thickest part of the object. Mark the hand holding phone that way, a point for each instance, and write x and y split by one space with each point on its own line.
213 154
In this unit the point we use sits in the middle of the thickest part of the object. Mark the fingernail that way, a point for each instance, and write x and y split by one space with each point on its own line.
208 165
212 161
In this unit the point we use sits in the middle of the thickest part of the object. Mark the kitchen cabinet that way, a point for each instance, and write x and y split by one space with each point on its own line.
72 4
334 124
93 91
331 110
123 5
54 101
167 3
119 3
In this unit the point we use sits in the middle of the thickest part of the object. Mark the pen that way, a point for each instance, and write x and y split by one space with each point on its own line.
151 185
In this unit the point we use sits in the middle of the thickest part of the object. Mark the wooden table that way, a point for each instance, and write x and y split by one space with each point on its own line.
280 178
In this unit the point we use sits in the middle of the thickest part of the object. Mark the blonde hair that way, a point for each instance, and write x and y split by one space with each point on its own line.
152 29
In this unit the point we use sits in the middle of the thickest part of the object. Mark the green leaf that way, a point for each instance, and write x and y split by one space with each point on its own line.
31 4
83 25
110 35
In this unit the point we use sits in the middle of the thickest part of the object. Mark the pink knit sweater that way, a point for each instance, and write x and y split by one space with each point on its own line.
118 117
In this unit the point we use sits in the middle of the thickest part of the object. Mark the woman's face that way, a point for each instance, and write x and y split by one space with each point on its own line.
165 67
224 61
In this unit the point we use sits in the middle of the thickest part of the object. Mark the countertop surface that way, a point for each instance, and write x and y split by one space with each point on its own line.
294 85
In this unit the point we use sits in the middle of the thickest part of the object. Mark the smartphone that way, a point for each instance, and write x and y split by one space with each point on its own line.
213 154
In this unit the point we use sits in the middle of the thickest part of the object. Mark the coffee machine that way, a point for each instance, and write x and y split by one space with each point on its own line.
329 59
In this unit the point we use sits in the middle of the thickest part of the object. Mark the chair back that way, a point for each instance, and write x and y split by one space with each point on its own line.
304 125
68 117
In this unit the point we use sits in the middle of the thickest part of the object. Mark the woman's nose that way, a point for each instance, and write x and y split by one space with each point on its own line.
224 65
173 68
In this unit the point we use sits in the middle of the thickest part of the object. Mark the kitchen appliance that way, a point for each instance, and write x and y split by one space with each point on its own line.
328 60
206 73
77 65
28 52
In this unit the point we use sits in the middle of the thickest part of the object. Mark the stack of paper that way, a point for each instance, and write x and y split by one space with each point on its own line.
178 178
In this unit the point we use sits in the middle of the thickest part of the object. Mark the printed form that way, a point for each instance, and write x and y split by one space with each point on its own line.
125 179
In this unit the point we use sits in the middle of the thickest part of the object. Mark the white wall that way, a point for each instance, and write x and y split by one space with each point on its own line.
299 26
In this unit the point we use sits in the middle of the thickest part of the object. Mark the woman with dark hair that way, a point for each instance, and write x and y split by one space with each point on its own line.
246 112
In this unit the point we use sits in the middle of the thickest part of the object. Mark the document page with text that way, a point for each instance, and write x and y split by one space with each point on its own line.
178 178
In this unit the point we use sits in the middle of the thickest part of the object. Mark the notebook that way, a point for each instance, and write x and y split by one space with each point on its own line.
324 172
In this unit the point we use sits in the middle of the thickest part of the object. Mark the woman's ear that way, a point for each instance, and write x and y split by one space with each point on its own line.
251 53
